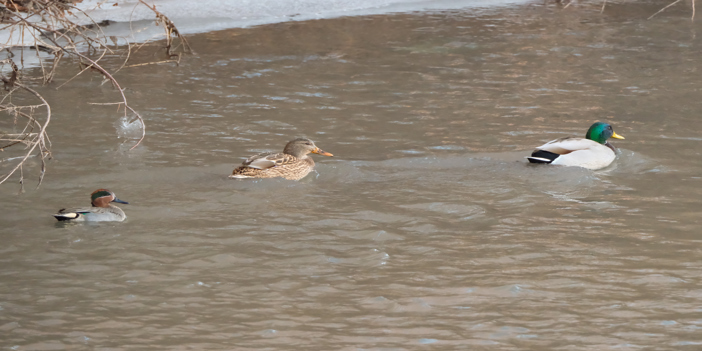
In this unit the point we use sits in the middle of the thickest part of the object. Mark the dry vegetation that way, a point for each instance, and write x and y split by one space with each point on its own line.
49 27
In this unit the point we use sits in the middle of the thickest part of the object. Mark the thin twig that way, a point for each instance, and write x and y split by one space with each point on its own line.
693 11
150 63
105 103
663 9
129 54
170 28
121 92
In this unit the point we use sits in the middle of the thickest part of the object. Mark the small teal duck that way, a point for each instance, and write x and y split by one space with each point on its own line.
102 210
293 163
592 152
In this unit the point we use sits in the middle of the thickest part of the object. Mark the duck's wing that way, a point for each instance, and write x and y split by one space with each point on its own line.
549 152
66 214
566 145
265 161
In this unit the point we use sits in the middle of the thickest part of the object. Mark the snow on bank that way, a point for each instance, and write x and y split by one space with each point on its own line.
133 22
208 15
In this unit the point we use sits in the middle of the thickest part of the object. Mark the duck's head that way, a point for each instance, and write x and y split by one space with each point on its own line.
301 147
600 132
103 197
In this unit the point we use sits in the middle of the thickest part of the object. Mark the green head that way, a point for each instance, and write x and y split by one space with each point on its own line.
102 197
600 132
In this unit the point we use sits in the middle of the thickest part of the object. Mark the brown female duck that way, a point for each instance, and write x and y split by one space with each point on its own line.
293 163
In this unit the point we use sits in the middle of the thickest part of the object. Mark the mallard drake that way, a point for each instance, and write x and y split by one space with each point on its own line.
591 152
293 163
101 209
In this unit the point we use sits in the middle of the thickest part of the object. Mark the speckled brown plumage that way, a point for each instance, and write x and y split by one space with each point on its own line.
293 163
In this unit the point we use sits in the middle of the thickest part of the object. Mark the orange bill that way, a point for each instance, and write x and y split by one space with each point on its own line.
321 152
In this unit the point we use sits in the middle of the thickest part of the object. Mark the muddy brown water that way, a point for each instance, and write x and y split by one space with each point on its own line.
427 230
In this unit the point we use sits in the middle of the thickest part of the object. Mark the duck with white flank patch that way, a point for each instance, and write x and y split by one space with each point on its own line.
592 152
101 209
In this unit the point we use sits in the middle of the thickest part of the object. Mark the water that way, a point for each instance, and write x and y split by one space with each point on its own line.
427 229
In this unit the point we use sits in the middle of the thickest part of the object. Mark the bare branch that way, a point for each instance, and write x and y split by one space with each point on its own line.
693 11
94 64
663 9
38 141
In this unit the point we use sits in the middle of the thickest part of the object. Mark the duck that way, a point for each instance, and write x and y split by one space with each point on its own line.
592 152
102 210
294 163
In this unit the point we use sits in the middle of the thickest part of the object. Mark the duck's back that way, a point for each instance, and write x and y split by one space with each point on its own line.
274 165
268 160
